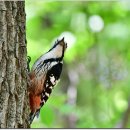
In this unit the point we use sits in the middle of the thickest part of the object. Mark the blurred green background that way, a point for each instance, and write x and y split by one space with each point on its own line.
94 90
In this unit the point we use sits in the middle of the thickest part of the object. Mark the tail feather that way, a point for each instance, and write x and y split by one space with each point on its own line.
32 116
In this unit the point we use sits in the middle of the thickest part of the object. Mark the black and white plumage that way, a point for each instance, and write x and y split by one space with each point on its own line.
44 75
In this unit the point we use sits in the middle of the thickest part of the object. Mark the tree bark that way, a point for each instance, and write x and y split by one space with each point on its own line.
13 65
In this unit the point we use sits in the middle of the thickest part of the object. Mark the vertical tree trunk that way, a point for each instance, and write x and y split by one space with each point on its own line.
13 72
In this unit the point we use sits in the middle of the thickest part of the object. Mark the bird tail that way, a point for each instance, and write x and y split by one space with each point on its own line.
32 116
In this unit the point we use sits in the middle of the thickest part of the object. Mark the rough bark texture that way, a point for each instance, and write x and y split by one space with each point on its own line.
13 64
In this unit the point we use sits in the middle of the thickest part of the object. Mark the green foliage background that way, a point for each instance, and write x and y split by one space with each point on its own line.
94 90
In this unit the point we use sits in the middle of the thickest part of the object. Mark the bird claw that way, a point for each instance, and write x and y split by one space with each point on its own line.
28 62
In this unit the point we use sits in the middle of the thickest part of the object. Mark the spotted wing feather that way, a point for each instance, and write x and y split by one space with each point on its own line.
52 78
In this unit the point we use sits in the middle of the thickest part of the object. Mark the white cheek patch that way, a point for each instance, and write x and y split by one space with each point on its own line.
53 63
52 79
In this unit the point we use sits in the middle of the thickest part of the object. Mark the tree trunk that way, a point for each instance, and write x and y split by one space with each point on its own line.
13 65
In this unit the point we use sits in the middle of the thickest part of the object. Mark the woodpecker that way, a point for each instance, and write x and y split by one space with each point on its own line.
44 75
